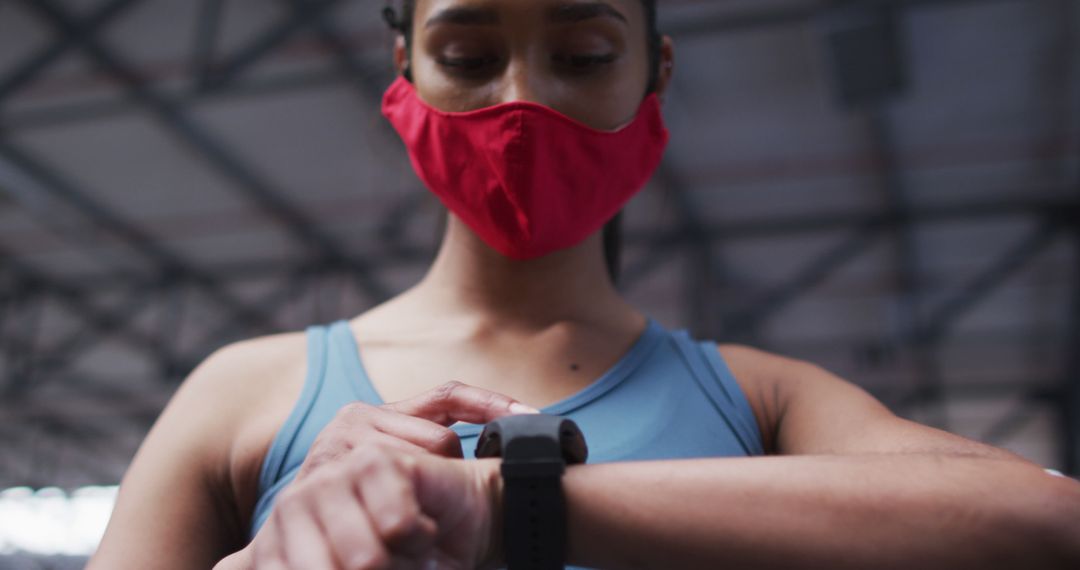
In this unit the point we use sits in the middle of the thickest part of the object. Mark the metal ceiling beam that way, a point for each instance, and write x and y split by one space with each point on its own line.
852 93
49 361
42 362
166 261
904 250
105 322
70 113
805 279
1021 412
367 82
207 33
352 68
36 198
941 320
18 347
244 58
1066 397
785 227
791 226
94 399
173 300
232 67
284 293
25 72
253 185
907 308
212 77
723 22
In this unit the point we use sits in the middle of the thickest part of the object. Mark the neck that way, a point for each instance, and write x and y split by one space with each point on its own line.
568 285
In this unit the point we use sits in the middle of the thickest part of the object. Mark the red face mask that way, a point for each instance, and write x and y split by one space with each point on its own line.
527 179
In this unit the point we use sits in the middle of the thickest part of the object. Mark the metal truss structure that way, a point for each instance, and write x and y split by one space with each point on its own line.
174 284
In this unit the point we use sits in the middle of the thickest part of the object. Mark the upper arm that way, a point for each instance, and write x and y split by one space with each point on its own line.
178 502
806 409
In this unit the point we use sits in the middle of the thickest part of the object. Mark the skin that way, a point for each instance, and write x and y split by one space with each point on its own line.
892 493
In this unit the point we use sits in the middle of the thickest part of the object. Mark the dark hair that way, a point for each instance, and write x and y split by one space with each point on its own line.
612 234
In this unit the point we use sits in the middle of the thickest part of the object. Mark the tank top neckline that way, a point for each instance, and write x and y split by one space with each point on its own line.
341 334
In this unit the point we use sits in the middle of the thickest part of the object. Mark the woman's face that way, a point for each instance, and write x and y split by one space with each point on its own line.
587 59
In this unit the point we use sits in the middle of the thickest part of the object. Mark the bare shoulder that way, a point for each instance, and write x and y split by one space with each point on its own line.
251 386
761 364
237 382
191 487
257 368
805 409
759 374
769 374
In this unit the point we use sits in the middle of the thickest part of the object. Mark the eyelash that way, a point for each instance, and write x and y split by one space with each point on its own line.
468 64
584 61
573 62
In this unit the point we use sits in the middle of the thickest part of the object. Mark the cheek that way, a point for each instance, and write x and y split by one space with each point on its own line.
445 94
610 104
612 101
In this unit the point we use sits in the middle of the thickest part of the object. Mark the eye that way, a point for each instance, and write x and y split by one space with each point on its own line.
583 61
467 64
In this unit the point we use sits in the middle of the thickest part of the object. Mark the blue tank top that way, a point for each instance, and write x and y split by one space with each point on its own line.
669 397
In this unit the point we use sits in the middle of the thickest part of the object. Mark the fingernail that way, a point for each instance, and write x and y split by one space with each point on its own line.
519 408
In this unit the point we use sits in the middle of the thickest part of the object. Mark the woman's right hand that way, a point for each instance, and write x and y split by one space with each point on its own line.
420 423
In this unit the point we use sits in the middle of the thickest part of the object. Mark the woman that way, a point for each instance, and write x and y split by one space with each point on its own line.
534 121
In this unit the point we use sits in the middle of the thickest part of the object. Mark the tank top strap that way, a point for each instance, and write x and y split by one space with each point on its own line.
333 379
712 374
345 373
279 451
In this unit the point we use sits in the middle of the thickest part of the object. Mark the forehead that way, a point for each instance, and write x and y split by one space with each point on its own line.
632 11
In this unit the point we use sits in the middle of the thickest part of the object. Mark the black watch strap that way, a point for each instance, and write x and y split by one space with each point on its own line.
535 450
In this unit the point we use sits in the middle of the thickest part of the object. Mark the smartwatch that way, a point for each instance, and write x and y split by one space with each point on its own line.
535 450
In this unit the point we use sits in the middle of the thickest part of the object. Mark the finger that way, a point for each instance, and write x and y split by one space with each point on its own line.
301 536
348 528
382 438
268 552
387 492
457 402
422 433
353 428
356 422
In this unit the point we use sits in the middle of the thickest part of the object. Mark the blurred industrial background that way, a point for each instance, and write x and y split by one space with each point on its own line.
890 189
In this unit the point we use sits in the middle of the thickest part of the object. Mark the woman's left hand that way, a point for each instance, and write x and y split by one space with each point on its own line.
382 506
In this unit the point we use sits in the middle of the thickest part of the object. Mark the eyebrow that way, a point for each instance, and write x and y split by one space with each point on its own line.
464 16
561 14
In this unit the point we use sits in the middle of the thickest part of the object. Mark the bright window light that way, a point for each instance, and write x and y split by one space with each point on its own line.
49 521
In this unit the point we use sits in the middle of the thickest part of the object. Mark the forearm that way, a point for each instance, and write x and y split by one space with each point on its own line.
822 511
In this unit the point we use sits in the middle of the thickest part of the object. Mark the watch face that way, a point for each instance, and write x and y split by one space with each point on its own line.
553 429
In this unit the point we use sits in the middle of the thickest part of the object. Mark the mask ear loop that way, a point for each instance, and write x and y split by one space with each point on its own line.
397 24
